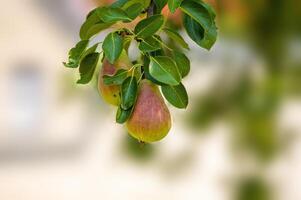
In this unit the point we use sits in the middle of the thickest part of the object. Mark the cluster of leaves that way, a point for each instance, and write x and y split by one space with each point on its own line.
159 63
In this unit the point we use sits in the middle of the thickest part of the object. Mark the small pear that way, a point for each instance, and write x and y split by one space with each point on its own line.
110 93
150 120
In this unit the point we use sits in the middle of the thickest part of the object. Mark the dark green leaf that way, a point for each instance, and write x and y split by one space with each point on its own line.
123 115
149 44
164 70
109 15
134 10
112 47
199 23
92 49
129 92
159 52
75 54
174 4
87 68
176 95
176 37
183 63
160 4
149 26
116 79
92 26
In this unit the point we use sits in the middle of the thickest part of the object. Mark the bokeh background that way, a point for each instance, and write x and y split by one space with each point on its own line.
239 139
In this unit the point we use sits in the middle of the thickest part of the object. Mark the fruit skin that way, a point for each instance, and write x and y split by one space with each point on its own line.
150 120
110 93
173 18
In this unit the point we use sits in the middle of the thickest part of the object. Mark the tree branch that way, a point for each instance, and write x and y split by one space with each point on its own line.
151 9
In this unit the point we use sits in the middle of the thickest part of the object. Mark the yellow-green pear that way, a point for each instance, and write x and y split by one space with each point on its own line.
110 93
150 120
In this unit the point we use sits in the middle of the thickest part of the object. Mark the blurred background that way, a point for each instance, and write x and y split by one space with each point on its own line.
240 138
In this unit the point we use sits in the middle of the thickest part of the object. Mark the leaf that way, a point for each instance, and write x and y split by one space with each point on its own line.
160 4
199 23
176 37
92 26
91 13
183 63
75 54
123 115
127 40
109 15
146 62
118 3
149 44
164 70
134 10
112 47
129 90
176 95
174 4
149 26
92 49
87 68
117 78
145 3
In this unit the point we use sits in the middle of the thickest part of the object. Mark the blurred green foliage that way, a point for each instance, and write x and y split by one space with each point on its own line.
253 189
250 106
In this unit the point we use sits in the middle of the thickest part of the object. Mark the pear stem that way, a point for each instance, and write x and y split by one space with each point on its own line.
141 143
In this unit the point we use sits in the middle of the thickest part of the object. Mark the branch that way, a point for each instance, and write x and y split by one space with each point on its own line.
151 9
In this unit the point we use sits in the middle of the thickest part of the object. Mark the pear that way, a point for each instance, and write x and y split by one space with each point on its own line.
110 93
150 120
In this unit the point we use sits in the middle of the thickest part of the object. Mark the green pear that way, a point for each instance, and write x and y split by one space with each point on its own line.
110 93
150 120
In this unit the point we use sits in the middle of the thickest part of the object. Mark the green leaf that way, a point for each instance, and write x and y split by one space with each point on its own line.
112 47
134 10
160 4
199 23
127 40
176 37
123 115
174 4
92 26
164 70
92 49
119 3
183 63
146 62
176 95
149 26
75 54
117 78
145 3
87 68
129 90
149 44
91 13
109 15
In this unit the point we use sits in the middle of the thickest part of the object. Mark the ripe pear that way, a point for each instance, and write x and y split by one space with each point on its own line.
110 93
150 120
